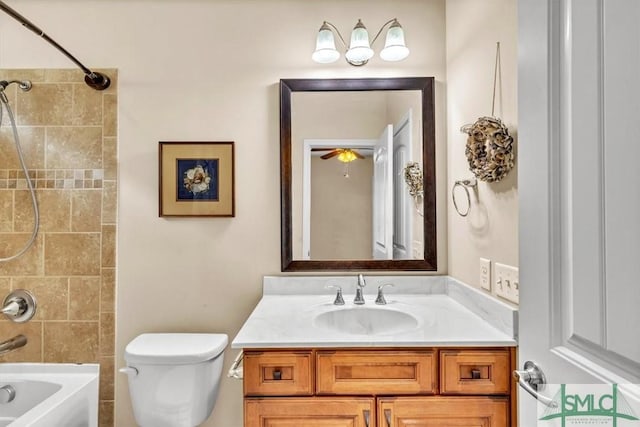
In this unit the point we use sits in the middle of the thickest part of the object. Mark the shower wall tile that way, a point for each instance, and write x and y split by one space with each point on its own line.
107 365
84 298
31 142
74 342
110 120
108 290
32 352
52 294
106 412
110 158
86 210
87 106
28 264
62 76
74 148
109 202
108 245
107 333
54 207
6 210
31 110
72 254
70 147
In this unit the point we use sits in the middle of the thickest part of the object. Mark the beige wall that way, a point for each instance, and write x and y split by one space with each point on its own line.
341 217
209 70
68 135
491 229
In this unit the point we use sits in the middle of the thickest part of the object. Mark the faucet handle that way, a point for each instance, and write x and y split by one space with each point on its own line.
339 300
380 300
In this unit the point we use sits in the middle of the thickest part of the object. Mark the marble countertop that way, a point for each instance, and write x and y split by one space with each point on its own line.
446 314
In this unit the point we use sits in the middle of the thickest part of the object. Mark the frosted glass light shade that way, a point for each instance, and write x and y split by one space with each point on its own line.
394 47
325 52
359 49
347 156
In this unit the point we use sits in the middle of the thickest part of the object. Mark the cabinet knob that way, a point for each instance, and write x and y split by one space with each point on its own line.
475 374
277 374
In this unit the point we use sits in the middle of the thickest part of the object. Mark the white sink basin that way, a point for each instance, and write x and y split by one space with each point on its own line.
50 394
366 321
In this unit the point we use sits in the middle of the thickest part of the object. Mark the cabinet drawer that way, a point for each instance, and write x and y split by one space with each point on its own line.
376 372
278 373
475 372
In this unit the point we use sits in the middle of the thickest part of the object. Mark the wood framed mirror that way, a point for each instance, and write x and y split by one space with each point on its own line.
342 211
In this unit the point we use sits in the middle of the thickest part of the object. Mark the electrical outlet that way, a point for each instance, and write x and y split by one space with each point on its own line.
485 273
506 282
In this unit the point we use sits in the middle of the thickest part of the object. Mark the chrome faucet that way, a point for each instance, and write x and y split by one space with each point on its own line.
380 300
359 299
12 344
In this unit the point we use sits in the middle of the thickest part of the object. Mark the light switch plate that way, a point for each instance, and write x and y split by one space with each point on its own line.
506 282
485 273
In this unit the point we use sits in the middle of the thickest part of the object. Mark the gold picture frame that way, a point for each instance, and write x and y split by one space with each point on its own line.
196 179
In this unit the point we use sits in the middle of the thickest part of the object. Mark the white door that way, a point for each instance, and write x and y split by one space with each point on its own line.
383 195
579 177
402 201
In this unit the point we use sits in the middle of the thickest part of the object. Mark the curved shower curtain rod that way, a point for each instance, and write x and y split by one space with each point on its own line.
94 79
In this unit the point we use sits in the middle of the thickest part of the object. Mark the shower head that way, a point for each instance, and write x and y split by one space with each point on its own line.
95 80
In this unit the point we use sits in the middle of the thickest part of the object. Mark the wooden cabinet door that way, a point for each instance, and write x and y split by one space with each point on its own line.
367 372
309 412
443 412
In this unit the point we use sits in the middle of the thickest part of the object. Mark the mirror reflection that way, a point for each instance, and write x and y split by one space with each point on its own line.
345 145
349 151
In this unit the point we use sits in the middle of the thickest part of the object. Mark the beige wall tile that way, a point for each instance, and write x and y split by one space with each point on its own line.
109 202
31 143
28 264
105 411
108 246
107 333
37 109
54 207
35 75
5 287
106 377
110 118
84 298
32 351
74 342
86 209
63 76
72 254
51 293
108 290
74 148
110 157
6 210
87 106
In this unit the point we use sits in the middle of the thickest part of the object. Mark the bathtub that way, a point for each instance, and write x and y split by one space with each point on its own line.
50 395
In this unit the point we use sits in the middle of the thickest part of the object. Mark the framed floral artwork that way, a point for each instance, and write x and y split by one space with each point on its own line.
196 179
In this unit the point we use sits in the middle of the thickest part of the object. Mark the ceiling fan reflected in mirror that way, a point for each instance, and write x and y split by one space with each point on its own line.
345 155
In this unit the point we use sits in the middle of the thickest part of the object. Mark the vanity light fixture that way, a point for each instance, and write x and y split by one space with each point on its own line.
359 51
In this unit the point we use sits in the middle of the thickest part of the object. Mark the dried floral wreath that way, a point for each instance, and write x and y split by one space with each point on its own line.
489 149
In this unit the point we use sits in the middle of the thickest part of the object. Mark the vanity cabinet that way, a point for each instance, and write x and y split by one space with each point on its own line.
418 387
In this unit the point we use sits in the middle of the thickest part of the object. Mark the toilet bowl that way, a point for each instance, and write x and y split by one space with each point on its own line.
174 378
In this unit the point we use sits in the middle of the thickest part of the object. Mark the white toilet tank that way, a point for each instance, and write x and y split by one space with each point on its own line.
174 378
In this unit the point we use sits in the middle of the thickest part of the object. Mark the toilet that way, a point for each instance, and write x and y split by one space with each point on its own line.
174 378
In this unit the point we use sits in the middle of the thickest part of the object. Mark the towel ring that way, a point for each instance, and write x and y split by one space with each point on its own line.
465 184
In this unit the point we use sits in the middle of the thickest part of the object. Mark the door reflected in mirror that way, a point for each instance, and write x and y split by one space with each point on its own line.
345 144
